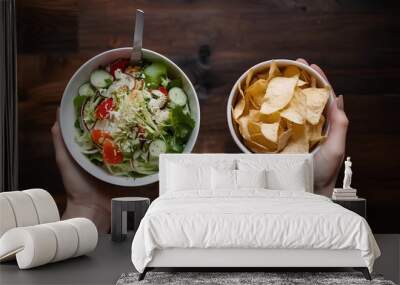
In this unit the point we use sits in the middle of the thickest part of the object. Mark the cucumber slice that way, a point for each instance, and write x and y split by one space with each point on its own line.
86 90
100 78
157 147
153 74
177 96
155 70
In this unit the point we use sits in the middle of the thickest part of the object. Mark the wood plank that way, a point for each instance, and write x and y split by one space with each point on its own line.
47 26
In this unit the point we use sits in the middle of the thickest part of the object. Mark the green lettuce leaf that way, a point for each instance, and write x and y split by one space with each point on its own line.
182 124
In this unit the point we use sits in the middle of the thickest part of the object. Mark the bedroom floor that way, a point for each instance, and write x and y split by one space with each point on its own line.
110 260
389 262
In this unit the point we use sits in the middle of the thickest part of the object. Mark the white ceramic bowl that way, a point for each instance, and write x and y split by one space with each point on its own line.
67 113
321 82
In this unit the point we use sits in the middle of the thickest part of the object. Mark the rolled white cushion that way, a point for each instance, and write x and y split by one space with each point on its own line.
40 244
45 205
33 246
87 235
23 208
7 218
67 240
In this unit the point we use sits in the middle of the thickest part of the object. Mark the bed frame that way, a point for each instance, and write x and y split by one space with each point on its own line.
246 258
243 259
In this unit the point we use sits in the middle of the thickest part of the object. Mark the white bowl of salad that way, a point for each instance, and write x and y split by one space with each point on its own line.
117 118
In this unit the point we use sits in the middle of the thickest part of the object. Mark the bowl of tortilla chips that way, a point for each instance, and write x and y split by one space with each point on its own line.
279 106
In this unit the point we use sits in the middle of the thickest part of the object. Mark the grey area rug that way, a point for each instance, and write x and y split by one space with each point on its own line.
232 278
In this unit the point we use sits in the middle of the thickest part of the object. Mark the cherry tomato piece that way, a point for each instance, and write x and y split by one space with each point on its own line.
98 136
111 153
163 90
121 64
104 108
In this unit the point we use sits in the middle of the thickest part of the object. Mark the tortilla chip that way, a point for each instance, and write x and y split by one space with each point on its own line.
273 71
253 127
284 139
291 71
255 147
297 130
262 75
305 76
270 131
270 118
254 115
296 110
260 139
282 125
316 99
314 132
248 78
240 89
280 91
256 92
239 109
301 83
313 82
243 127
299 145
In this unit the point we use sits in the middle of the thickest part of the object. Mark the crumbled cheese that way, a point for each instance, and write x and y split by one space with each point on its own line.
146 94
161 116
156 104
122 79
157 93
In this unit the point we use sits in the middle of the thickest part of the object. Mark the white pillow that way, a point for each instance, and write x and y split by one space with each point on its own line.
231 180
193 174
291 173
293 180
251 178
223 179
183 178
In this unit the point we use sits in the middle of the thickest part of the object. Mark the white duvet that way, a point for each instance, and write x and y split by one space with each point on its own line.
250 219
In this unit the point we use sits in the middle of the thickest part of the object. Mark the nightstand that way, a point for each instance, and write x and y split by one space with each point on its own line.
357 205
119 215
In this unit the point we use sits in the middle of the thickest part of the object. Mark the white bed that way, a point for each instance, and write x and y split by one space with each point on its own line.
248 227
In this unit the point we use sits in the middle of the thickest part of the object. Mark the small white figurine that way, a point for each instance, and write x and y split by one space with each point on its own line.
347 174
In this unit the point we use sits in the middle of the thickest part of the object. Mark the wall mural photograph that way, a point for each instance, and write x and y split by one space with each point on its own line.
207 142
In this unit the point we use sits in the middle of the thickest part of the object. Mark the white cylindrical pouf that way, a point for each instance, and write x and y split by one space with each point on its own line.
33 246
7 218
87 235
67 239
23 208
45 205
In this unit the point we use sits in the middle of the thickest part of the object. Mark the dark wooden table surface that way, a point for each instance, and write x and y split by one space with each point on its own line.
356 42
